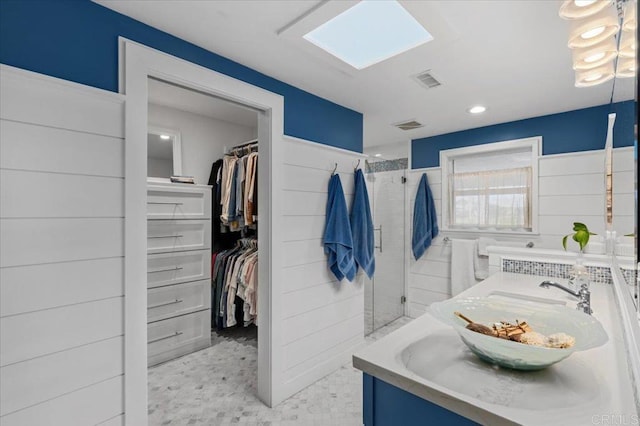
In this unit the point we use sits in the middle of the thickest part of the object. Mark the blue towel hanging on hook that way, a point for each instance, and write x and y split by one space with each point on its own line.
337 240
425 221
362 226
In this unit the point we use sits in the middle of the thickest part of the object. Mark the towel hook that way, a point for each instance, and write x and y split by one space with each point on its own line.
334 170
357 165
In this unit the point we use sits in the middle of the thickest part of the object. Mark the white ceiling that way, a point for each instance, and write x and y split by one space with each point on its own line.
169 95
509 55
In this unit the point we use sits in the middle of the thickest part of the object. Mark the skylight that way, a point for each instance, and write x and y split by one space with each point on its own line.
369 32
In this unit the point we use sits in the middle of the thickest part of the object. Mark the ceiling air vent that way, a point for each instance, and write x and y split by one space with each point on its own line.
408 125
427 80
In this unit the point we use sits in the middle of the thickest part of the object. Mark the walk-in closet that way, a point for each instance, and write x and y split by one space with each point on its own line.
202 247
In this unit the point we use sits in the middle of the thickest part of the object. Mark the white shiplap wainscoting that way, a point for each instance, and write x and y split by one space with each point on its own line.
323 319
571 188
61 254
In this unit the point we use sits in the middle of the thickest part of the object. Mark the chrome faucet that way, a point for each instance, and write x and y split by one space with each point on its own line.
583 294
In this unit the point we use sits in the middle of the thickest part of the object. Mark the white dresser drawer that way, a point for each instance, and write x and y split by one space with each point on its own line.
174 268
178 235
170 301
178 336
178 201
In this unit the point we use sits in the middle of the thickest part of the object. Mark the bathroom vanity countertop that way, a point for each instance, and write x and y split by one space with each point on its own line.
589 387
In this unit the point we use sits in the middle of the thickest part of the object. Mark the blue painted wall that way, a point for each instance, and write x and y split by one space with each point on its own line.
572 131
77 40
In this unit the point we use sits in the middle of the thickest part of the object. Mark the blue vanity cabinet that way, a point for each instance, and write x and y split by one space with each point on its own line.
387 405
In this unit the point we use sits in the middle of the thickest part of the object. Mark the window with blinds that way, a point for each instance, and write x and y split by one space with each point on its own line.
491 187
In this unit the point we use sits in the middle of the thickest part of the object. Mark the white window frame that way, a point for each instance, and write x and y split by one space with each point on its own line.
447 157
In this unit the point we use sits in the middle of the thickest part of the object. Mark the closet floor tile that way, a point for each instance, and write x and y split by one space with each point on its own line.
217 386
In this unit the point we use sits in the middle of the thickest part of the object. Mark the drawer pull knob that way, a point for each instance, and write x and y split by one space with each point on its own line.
161 202
177 333
165 236
165 304
177 268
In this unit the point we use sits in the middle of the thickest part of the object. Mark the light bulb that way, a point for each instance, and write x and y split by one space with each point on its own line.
592 33
594 57
165 137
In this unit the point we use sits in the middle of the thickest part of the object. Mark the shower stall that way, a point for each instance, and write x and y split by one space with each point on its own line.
385 293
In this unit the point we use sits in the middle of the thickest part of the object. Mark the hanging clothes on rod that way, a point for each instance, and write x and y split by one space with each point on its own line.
235 285
239 187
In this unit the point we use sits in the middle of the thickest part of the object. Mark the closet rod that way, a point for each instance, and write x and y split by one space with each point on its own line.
243 145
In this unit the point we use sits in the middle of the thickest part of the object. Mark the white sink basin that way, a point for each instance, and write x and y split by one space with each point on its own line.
505 295
443 359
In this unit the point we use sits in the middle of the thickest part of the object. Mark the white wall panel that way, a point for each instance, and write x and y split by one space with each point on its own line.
307 275
623 182
86 406
55 103
31 382
572 163
305 300
322 319
314 180
584 184
26 146
623 159
435 268
430 283
31 288
303 252
320 341
561 225
54 330
61 248
303 228
37 194
114 421
568 205
301 203
33 241
326 316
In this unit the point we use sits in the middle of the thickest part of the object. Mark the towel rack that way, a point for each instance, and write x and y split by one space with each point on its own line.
530 244
334 170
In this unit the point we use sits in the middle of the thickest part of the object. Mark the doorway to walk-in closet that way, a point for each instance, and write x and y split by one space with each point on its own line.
385 292
202 275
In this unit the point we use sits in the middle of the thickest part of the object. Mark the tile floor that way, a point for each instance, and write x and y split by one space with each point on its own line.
217 386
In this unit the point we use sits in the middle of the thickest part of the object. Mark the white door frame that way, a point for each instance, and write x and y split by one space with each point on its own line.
137 64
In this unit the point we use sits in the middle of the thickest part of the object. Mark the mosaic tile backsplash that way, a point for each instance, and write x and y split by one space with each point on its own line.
598 274
629 275
387 165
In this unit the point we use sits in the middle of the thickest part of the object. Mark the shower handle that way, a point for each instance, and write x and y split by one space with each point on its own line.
380 246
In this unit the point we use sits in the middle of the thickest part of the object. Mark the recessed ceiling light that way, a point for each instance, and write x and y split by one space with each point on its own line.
378 155
165 137
477 109
369 32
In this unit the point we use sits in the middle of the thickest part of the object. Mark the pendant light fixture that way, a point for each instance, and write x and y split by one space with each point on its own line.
578 9
601 32
594 29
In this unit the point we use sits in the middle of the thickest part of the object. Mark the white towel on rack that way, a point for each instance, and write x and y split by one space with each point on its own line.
463 275
480 263
483 243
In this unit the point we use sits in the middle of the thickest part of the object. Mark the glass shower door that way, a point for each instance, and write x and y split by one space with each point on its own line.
384 294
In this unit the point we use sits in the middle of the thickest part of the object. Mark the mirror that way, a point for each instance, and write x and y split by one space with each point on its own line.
164 153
